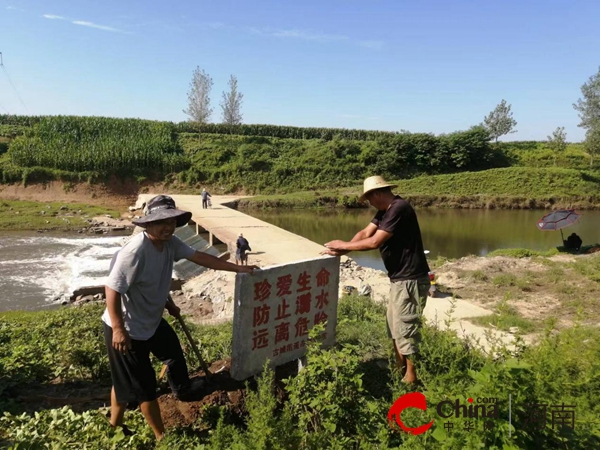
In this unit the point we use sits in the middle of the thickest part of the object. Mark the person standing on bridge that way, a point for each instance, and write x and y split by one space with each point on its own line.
242 246
137 291
205 198
395 232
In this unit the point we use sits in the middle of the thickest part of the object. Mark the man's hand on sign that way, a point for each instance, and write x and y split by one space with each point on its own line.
336 246
121 341
334 252
247 269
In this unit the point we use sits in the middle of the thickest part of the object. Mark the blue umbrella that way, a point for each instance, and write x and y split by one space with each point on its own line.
558 220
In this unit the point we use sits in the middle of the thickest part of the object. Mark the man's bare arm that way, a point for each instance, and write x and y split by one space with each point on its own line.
365 233
121 341
113 305
370 243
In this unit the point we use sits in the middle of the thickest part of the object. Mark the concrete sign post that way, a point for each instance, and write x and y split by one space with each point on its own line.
276 307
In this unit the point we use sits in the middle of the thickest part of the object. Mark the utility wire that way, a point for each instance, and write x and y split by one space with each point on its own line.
12 84
2 106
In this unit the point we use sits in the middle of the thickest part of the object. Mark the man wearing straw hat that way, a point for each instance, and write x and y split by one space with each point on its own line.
395 232
137 290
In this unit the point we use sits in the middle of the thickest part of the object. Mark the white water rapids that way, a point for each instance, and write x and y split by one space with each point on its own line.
36 269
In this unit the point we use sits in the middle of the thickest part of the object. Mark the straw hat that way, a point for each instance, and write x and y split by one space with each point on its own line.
373 183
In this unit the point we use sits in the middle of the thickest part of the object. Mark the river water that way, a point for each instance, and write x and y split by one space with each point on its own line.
452 233
35 268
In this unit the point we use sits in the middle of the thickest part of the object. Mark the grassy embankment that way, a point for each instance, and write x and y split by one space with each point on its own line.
504 188
24 215
340 400
262 159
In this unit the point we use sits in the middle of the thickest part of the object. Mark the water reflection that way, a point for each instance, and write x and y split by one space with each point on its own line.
446 232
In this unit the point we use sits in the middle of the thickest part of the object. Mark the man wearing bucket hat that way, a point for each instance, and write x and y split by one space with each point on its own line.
395 232
137 290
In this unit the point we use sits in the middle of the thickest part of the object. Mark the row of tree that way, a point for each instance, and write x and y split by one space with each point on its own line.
199 109
500 121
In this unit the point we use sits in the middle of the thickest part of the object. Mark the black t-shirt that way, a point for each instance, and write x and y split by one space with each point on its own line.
402 254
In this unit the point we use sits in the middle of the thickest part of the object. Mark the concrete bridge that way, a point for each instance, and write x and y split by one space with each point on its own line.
220 224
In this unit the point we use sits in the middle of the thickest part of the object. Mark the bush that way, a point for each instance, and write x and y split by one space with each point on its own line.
340 400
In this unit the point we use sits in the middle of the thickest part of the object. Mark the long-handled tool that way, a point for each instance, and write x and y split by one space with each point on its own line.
194 347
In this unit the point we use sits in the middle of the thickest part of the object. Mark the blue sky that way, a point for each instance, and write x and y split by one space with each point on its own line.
423 66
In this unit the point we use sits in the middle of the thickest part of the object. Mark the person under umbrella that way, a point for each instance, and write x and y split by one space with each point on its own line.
558 220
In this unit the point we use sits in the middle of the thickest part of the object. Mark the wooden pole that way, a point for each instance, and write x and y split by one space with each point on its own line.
194 347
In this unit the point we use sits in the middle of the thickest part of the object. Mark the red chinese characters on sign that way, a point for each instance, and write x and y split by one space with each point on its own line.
261 315
322 299
320 317
281 310
322 278
282 332
284 283
301 326
260 339
303 303
262 290
273 329
303 282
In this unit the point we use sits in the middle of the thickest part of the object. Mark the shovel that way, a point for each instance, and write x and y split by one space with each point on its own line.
194 347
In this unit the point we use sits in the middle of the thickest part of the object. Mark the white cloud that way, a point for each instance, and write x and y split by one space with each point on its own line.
84 23
307 35
14 8
54 17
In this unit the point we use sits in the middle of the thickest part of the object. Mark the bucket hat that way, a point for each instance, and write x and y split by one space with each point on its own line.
163 207
373 183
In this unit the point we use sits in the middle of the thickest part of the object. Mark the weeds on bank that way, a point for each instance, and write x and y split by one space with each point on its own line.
504 318
341 399
25 215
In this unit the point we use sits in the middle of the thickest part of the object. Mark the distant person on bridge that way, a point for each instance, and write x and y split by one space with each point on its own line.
242 246
205 199
137 291
395 232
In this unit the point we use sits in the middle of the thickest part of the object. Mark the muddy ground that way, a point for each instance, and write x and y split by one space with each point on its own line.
222 390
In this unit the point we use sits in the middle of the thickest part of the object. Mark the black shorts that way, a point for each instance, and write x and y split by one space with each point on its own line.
133 376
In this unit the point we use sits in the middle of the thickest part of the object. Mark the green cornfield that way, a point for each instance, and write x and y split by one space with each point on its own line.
98 144
284 132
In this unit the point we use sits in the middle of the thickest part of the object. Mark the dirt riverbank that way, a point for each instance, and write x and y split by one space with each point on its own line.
527 293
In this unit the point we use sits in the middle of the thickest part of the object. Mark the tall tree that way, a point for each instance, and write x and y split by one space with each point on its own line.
199 108
588 107
232 103
500 121
557 142
592 142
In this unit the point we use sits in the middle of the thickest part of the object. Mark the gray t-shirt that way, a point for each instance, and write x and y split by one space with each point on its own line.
142 275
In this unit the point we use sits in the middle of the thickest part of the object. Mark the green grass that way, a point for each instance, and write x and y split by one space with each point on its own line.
340 400
514 187
522 252
26 215
444 170
504 318
513 181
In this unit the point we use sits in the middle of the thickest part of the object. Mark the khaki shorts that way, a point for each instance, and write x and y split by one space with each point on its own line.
407 301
